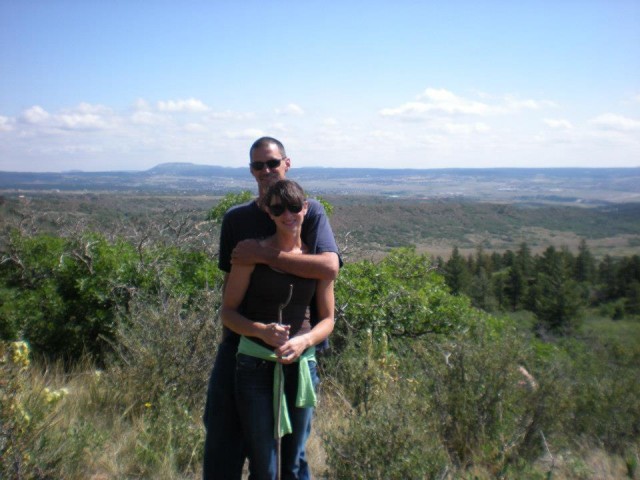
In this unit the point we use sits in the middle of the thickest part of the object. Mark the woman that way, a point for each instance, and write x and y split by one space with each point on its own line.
270 309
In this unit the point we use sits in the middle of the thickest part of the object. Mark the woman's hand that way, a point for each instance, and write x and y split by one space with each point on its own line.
275 335
291 350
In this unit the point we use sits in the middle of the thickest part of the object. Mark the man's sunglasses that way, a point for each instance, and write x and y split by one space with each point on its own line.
269 163
279 208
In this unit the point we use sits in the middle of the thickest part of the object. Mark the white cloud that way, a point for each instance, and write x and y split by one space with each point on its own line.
611 121
195 128
447 129
83 117
229 115
443 102
249 133
6 124
190 105
141 104
142 117
387 136
88 108
512 104
290 109
558 123
35 115
465 128
81 121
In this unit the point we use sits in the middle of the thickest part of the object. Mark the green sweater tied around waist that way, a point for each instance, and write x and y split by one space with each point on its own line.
306 395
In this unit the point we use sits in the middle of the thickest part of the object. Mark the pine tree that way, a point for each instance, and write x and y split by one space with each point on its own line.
456 273
556 297
585 264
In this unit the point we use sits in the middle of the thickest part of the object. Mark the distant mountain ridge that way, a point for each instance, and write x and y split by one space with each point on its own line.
502 184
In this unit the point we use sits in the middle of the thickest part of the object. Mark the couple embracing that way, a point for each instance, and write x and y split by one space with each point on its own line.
280 259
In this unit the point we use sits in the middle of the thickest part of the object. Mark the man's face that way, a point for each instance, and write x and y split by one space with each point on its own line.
267 176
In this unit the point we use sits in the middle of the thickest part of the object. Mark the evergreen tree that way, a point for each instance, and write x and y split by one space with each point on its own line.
608 277
585 268
457 273
632 303
628 273
516 288
481 291
496 261
556 297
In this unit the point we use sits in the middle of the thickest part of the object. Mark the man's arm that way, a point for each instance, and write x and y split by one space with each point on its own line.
321 266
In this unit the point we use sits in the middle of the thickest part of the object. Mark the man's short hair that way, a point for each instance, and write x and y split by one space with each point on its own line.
263 142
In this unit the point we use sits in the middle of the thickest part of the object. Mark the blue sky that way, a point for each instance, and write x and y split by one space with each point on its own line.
125 85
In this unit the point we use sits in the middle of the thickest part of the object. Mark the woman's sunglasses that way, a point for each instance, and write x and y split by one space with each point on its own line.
279 208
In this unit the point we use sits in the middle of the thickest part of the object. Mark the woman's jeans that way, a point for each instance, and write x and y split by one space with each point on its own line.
254 397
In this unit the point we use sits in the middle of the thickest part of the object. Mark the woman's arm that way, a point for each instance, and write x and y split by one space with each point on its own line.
235 288
291 350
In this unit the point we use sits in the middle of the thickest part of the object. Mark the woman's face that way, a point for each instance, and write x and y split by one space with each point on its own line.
287 216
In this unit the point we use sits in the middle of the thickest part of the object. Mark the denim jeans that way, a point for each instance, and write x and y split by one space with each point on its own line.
254 396
224 452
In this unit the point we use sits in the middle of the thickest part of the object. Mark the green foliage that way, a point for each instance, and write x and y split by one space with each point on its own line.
169 440
64 295
418 407
556 285
164 348
228 201
31 444
388 440
606 383
328 207
425 385
555 299
382 434
400 296
457 273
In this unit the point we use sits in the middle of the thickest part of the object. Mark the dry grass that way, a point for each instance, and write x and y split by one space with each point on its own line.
119 436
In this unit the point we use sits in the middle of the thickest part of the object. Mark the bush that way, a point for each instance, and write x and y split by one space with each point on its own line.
606 384
33 444
65 295
383 431
166 349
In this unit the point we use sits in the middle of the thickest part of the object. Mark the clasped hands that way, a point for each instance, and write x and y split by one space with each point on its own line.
286 349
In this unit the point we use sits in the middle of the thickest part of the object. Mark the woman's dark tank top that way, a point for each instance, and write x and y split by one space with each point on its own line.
268 288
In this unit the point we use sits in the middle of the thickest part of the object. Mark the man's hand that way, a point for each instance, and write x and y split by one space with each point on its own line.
248 252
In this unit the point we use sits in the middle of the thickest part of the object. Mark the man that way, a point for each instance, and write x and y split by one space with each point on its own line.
242 225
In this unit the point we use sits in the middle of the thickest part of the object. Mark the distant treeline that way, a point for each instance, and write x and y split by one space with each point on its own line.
555 285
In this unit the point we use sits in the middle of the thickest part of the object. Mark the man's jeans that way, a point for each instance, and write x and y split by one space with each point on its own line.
254 394
223 447
224 451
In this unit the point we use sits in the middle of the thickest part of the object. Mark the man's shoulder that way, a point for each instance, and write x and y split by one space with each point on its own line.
242 210
315 207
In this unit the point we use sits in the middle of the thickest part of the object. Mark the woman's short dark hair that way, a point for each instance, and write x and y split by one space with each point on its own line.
287 191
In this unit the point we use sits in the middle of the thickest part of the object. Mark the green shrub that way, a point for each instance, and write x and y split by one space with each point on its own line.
606 384
34 441
166 349
385 431
229 200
